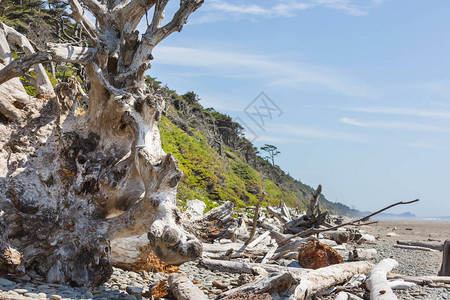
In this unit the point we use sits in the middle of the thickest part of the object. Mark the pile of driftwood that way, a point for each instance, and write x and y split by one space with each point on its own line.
287 254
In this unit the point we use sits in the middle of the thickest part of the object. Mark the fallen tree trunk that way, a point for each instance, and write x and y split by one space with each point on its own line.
432 245
184 289
415 248
377 282
244 267
422 280
321 279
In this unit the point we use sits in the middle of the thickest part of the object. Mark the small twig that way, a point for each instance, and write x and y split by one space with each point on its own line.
312 231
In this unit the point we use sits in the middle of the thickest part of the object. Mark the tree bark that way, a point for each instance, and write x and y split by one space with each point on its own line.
70 185
445 267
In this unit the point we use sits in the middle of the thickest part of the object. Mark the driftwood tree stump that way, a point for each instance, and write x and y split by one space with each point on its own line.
445 267
69 185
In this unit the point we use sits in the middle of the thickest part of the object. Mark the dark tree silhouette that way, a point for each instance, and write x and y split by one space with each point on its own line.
271 151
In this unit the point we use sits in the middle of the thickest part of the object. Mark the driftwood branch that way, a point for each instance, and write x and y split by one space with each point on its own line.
255 220
42 83
377 282
79 15
312 231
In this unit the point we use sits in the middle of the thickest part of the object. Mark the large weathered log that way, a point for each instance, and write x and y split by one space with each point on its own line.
432 245
377 282
422 280
184 289
445 267
263 287
321 279
415 248
243 267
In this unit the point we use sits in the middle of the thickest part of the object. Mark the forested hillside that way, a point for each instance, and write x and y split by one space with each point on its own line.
218 162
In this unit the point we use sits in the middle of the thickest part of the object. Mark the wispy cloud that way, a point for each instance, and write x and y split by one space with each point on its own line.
395 125
294 132
402 111
286 8
250 66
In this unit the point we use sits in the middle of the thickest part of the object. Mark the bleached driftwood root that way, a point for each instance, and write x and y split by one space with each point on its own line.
321 279
445 267
377 282
184 289
72 184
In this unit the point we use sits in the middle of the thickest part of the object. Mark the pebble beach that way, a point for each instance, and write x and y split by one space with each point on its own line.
131 285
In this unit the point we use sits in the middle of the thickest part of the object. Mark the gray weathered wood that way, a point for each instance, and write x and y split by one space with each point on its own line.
377 282
184 289
432 245
445 267
243 267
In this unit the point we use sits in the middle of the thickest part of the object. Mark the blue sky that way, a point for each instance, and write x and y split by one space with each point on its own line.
364 87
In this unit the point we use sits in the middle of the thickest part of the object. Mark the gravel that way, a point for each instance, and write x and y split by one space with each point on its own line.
129 285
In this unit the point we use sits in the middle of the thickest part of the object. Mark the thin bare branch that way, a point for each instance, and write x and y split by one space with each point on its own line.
97 9
312 231
79 15
176 24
